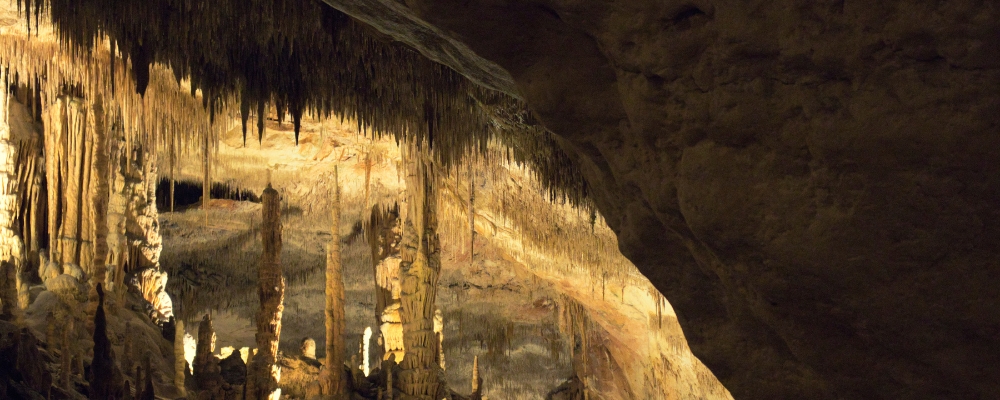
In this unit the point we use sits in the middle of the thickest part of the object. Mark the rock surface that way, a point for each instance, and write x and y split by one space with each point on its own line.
809 183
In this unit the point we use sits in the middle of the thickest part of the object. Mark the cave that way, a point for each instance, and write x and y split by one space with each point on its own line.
499 199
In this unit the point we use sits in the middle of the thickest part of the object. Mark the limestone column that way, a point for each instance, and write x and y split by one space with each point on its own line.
335 324
11 248
263 373
99 211
383 235
419 269
116 215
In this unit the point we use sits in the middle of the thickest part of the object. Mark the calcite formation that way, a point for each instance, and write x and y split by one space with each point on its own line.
335 323
263 372
419 269
11 246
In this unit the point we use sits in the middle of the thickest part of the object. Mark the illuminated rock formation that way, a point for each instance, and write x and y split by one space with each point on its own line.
477 380
383 236
11 246
419 271
263 373
335 348
206 367
180 363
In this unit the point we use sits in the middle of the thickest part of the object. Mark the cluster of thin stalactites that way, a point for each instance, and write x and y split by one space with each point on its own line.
243 66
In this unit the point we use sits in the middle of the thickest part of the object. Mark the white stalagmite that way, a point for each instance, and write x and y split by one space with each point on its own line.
365 346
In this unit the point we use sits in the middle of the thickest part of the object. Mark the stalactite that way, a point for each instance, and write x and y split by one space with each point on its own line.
263 374
335 323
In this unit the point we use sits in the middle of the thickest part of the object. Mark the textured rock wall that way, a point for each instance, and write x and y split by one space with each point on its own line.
809 183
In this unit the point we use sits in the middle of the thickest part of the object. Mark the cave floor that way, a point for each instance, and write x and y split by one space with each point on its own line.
492 308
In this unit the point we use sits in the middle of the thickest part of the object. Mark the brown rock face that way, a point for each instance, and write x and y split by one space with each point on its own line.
811 184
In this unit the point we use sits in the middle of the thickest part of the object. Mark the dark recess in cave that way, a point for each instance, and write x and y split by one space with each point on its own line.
187 194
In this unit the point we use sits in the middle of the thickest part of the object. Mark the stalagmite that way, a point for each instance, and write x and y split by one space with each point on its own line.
206 368
477 380
383 235
116 217
366 340
335 324
179 361
263 373
99 192
419 270
11 247
439 332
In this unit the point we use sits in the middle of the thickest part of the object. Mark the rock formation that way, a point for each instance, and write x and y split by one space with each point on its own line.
477 380
335 323
419 270
180 364
308 348
11 246
206 367
383 234
263 372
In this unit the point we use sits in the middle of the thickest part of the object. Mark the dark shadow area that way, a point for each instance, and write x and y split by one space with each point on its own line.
187 194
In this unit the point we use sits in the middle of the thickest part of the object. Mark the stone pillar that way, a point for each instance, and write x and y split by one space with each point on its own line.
206 369
11 248
419 269
383 236
263 373
179 361
335 324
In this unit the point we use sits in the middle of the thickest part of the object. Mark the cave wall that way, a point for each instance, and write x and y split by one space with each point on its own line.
809 183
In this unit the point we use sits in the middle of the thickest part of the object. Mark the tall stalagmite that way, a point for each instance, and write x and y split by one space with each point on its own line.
335 324
100 191
383 235
180 364
11 248
419 269
263 373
